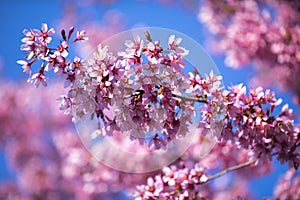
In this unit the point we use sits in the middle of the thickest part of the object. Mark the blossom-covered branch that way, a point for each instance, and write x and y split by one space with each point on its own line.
250 123
36 46
142 84
154 101
181 183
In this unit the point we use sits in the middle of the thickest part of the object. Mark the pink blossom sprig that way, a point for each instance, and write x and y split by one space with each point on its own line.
189 182
250 122
174 183
36 47
225 157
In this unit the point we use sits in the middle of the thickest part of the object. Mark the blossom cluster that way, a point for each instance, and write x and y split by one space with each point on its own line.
250 122
182 183
150 86
36 48
212 112
171 182
259 31
138 91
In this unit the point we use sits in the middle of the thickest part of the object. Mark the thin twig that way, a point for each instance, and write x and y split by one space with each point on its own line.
246 164
239 166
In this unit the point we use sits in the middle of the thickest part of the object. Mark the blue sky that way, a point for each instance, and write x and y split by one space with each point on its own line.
16 15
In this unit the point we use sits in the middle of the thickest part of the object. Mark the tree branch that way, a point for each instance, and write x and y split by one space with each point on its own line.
240 166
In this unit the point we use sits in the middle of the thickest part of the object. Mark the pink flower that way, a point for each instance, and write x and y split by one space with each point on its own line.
174 183
137 44
62 49
30 37
169 175
81 36
174 45
77 63
197 174
44 35
65 104
153 52
25 66
38 78
54 61
154 187
176 62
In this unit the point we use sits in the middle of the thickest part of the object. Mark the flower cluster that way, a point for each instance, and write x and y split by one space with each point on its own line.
174 184
253 125
36 46
212 111
266 32
173 180
138 91
250 123
191 177
150 86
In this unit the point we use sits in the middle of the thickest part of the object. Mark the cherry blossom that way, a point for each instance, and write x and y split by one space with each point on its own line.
36 47
81 35
182 185
26 66
44 35
174 45
38 78
251 124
